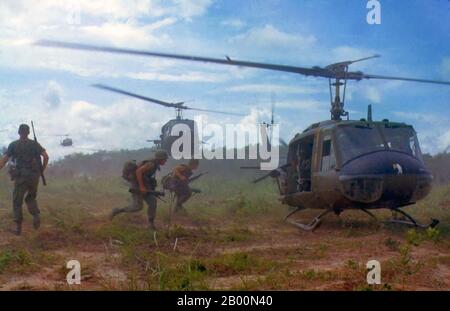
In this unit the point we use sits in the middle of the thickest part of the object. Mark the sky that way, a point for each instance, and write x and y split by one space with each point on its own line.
53 87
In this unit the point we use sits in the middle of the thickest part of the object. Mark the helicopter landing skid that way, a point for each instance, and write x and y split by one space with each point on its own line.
307 227
411 221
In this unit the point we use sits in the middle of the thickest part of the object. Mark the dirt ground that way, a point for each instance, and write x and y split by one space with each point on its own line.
259 252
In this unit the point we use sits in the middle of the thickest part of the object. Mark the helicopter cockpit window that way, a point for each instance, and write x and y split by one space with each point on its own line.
402 139
356 141
328 158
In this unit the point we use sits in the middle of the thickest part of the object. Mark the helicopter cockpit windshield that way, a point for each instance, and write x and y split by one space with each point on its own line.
354 141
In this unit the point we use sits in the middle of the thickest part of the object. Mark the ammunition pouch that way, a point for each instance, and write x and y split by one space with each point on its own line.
13 172
150 183
167 181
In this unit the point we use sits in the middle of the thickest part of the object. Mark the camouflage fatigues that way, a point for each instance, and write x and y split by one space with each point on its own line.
26 156
181 188
305 175
138 199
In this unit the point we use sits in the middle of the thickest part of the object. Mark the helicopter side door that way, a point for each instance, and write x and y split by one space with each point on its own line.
305 162
299 176
326 177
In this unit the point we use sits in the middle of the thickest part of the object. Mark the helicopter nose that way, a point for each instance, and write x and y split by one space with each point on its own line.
386 175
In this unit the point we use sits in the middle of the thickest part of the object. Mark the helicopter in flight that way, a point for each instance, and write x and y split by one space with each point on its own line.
269 125
167 138
337 164
66 142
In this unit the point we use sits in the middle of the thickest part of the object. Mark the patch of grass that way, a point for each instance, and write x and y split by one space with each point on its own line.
14 260
392 244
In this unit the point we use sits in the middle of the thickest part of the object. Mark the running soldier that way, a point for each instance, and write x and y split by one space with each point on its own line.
178 182
26 155
142 186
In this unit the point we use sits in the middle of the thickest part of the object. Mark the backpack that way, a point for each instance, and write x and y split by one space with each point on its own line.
129 170
166 181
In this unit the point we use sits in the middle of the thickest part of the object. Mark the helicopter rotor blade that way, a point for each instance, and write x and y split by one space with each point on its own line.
369 76
216 111
148 99
326 72
350 62
226 61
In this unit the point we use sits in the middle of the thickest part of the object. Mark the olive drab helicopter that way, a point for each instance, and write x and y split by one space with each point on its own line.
167 138
337 164
65 142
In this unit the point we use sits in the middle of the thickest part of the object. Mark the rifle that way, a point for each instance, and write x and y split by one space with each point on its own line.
274 173
41 168
197 177
157 194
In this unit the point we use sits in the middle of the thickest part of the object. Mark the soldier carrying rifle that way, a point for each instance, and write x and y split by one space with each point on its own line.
142 186
26 171
178 182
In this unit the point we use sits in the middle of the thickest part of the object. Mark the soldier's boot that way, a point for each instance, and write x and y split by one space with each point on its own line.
36 221
18 230
115 212
151 226
178 208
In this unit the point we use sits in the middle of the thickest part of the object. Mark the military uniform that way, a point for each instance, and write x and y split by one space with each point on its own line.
137 198
305 175
26 156
181 187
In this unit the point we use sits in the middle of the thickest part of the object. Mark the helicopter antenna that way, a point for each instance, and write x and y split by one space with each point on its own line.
272 121
369 113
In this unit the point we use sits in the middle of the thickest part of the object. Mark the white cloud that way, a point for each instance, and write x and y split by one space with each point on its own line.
190 8
193 76
276 88
124 124
121 34
134 24
53 94
373 94
269 36
233 23
422 117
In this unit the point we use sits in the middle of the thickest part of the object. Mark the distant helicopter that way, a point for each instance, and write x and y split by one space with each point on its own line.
66 142
269 125
166 139
337 164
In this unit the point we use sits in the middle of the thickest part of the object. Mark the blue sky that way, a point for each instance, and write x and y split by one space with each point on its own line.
52 86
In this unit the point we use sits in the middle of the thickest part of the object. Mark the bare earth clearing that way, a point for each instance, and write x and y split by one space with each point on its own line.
231 243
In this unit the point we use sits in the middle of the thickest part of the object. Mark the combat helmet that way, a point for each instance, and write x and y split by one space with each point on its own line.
160 155
24 128
194 162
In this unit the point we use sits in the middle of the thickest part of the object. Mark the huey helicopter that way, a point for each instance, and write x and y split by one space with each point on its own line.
66 142
337 164
269 125
166 139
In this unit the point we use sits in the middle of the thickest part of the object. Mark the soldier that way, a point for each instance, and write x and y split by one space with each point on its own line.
179 183
27 155
142 181
304 169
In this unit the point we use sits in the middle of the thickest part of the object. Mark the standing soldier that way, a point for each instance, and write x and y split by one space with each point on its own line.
143 184
304 168
179 182
26 172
